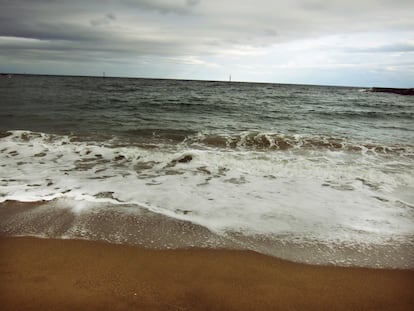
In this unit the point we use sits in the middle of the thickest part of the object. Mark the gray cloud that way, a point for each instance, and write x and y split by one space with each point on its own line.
162 6
105 20
130 30
401 47
247 22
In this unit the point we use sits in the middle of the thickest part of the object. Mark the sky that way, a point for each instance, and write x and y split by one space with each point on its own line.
330 42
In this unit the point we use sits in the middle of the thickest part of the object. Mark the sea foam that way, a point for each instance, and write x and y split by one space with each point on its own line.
311 194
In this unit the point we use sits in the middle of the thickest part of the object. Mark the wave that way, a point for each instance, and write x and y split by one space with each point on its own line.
249 140
304 190
273 141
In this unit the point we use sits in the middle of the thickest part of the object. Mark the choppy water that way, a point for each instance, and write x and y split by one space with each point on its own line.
287 163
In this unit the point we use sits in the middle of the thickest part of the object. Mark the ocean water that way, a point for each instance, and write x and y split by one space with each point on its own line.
308 173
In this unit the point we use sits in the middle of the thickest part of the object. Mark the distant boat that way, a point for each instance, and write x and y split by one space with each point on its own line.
229 78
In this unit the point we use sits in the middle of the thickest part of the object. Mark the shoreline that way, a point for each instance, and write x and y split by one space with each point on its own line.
92 275
137 226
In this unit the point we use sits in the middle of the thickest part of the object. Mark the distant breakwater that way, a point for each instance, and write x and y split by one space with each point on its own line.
393 90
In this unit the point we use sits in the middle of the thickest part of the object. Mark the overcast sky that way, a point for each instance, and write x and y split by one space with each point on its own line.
336 42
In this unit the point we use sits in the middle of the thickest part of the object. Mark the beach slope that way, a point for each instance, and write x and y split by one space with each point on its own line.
48 274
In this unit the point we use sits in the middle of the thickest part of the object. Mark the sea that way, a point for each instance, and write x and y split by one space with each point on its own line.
314 174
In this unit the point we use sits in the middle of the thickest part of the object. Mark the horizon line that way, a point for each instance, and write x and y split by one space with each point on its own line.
184 79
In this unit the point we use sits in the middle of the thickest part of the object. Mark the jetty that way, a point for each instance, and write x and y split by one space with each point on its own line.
399 91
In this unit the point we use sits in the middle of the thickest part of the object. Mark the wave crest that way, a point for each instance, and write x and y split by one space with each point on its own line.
250 140
274 141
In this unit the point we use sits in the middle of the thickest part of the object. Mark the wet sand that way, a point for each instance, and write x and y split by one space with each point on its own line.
134 225
49 274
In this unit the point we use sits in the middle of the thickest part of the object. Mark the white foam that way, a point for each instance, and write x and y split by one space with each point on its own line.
325 195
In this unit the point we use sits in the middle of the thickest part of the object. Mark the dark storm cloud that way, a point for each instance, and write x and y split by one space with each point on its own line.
49 31
84 24
194 23
37 20
64 20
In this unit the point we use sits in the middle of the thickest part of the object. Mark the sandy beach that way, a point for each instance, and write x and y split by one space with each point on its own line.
51 274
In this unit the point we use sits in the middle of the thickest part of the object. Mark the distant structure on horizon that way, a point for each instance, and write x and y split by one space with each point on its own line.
230 78
393 90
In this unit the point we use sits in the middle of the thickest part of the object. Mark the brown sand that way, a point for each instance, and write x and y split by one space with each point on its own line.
46 274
